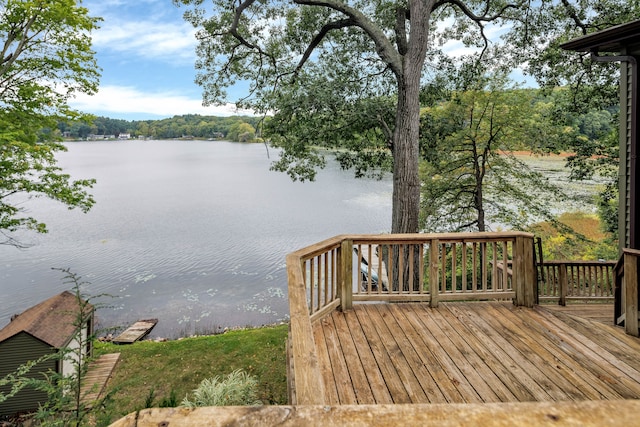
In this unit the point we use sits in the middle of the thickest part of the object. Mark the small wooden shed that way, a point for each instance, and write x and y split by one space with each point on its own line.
621 43
43 329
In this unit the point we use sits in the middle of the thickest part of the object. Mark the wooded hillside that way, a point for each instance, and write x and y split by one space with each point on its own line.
190 125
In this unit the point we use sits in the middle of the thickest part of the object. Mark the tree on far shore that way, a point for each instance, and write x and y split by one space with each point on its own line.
46 59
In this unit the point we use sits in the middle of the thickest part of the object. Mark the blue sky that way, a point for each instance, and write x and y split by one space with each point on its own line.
147 55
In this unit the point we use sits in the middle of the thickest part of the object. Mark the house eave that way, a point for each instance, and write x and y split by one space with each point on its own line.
611 40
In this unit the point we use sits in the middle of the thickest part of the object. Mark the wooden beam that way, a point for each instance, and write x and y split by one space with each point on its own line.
631 294
434 283
345 281
309 388
563 284
557 414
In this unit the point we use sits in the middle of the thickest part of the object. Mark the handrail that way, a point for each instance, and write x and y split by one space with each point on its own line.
433 267
577 280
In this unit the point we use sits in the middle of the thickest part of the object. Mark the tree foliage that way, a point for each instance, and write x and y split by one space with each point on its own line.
344 51
351 70
186 125
590 86
46 59
471 179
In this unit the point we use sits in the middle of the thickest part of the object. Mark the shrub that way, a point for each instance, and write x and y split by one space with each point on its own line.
238 388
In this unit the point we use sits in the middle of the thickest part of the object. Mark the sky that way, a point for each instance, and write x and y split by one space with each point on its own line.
146 52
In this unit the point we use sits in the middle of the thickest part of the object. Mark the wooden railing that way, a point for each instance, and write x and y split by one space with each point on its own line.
576 280
345 269
626 293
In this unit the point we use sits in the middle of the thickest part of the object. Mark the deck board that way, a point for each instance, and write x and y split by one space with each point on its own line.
95 380
477 352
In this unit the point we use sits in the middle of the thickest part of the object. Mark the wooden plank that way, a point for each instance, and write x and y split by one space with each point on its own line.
308 380
619 375
359 380
434 278
631 294
466 366
557 414
560 367
426 358
399 362
426 381
344 386
601 312
522 378
136 332
345 280
389 373
95 380
517 353
486 350
330 391
620 344
443 360
491 388
378 386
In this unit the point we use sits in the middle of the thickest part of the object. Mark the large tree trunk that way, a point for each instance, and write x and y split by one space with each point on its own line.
406 179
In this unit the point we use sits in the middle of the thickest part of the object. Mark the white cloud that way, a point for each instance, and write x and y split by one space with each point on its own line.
124 101
172 41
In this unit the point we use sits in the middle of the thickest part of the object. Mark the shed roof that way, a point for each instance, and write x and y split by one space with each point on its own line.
610 40
51 321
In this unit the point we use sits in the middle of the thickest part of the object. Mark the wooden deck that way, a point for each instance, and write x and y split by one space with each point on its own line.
136 332
596 311
477 352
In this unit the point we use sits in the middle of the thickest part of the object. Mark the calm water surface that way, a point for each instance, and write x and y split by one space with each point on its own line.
192 233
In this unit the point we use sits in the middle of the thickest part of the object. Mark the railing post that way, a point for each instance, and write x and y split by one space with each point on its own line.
563 284
524 275
631 294
434 276
345 270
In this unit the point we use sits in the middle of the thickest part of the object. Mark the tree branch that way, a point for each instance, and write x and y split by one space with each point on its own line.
479 19
401 30
337 25
384 47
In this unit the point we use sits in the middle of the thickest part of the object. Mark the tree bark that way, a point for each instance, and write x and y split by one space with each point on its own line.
406 180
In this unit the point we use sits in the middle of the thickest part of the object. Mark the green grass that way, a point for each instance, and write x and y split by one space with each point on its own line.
148 372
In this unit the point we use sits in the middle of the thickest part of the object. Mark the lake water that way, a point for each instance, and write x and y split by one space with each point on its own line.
193 233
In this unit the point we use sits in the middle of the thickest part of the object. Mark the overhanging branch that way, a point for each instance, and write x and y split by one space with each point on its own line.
384 47
337 25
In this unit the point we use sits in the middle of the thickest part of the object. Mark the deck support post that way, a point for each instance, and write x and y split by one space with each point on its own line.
563 284
631 294
434 276
524 271
345 270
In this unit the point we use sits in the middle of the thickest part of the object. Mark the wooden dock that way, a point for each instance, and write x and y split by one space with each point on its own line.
97 375
136 332
472 353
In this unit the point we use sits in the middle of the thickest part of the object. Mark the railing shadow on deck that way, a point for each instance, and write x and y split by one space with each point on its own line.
337 272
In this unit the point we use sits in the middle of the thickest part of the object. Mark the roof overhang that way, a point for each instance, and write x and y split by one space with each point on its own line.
613 39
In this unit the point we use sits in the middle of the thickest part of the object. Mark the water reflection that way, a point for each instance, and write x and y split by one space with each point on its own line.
193 233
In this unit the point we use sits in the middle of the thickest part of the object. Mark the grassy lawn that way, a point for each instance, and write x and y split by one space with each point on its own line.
149 372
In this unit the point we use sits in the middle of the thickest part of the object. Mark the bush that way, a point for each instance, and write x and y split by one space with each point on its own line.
238 388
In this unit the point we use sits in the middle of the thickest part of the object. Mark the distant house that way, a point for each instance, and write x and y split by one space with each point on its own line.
42 329
124 136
